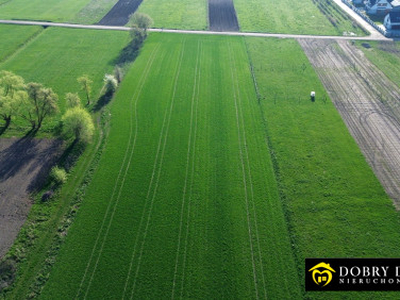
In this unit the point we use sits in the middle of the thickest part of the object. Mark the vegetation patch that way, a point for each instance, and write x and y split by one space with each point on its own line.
177 14
94 11
334 203
318 17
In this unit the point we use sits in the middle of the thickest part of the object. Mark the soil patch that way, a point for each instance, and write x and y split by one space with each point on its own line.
24 165
368 103
222 15
119 14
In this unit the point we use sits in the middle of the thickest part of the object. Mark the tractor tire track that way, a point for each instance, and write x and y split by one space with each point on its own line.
368 103
154 178
190 162
243 167
133 101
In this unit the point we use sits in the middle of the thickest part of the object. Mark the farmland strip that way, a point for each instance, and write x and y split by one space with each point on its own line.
162 137
235 96
222 15
119 14
135 98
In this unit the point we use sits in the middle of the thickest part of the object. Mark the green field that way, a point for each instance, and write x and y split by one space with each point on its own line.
384 55
185 201
296 17
336 206
59 56
14 37
44 10
94 11
177 14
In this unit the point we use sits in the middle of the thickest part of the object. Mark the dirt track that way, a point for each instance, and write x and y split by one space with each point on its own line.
222 15
23 166
368 103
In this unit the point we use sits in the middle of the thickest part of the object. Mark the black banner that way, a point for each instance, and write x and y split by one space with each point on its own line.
352 274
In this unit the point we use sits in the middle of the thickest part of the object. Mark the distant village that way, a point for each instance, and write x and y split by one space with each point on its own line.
389 10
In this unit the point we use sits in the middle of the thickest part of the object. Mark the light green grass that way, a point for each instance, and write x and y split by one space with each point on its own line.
59 56
296 17
335 205
94 11
384 55
14 37
176 14
184 202
48 10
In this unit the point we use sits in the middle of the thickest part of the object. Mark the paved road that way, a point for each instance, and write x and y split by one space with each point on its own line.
374 36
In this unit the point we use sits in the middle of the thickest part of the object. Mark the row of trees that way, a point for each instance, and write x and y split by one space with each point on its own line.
34 103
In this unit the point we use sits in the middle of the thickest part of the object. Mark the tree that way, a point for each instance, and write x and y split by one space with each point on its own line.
77 122
12 94
72 100
140 21
86 84
110 84
41 103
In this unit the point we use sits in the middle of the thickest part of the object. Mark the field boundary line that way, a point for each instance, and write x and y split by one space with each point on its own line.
156 162
243 171
250 178
135 95
188 165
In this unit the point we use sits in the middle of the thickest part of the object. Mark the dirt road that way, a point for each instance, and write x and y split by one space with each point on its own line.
368 103
23 163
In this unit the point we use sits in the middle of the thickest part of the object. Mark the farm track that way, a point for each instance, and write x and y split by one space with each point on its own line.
222 15
163 136
134 100
119 14
246 174
374 37
368 103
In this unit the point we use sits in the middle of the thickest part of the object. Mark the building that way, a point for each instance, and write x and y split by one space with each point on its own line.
378 7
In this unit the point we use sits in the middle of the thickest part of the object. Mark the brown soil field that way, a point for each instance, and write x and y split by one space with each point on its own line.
222 15
368 103
24 165
119 14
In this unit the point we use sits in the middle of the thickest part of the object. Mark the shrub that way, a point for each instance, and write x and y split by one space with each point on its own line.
58 175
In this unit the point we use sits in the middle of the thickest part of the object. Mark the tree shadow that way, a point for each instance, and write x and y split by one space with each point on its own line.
103 101
128 54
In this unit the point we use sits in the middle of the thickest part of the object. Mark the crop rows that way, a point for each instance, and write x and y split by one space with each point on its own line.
182 187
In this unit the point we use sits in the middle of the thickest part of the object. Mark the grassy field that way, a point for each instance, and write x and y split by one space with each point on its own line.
297 17
185 201
59 56
335 205
176 14
94 11
48 10
15 37
384 55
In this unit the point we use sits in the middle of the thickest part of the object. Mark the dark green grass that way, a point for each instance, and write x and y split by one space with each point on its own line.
49 10
177 14
59 56
296 17
166 214
384 55
335 205
14 37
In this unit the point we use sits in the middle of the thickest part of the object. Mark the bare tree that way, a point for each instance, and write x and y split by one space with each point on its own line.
86 85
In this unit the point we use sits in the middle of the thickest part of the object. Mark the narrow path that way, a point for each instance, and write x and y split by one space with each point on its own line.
376 37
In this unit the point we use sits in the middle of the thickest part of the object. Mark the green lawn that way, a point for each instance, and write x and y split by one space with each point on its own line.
14 37
184 202
177 14
384 55
296 17
59 56
335 205
48 10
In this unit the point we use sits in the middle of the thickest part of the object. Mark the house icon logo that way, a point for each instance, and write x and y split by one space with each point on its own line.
322 274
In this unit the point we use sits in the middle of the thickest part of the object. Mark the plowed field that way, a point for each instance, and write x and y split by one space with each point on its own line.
368 103
222 15
23 165
119 14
